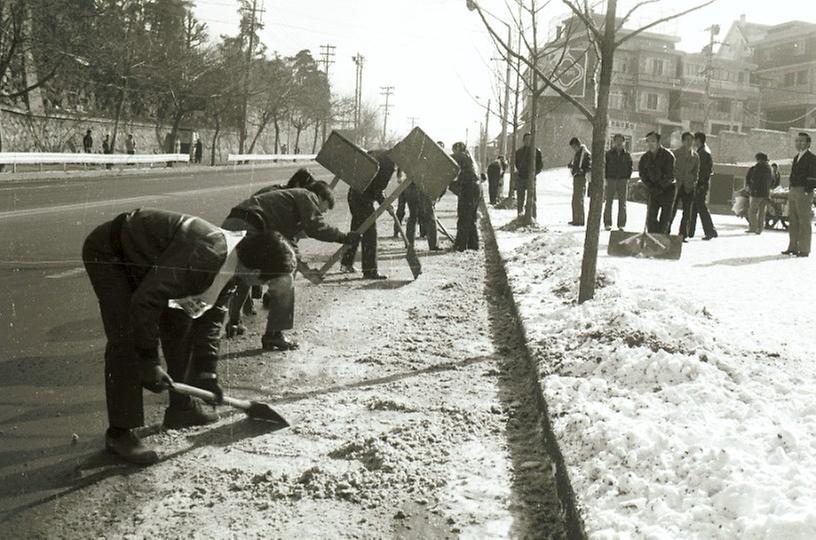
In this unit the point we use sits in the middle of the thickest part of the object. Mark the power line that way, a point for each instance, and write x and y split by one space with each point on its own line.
327 57
413 120
359 61
387 92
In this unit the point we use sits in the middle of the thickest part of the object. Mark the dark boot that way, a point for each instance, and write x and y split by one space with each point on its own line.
373 275
194 414
128 446
235 329
277 342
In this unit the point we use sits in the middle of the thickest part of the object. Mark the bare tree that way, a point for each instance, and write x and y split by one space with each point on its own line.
606 34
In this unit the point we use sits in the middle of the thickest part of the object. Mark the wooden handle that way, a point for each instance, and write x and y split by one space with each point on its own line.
399 226
365 225
334 182
181 388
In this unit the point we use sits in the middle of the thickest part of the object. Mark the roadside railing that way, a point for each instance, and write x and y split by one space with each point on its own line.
65 159
235 159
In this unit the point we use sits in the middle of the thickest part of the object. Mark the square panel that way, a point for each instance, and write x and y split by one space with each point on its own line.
425 162
345 159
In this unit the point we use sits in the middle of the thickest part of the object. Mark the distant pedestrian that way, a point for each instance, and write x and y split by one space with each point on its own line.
777 178
199 151
525 176
420 212
580 166
699 207
494 174
107 148
130 144
656 169
800 198
469 191
618 170
87 142
686 172
758 181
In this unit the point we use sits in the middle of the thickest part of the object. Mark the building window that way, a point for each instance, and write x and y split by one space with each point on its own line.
651 101
790 79
657 67
741 77
621 65
799 47
617 100
723 105
801 77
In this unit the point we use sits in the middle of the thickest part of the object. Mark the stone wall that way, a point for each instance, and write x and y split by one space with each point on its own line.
21 132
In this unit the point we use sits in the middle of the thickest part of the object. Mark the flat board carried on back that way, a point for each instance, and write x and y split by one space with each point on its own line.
345 159
425 163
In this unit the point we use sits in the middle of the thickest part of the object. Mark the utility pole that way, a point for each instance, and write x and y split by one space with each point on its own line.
359 60
486 126
387 92
503 147
413 120
713 30
250 52
327 57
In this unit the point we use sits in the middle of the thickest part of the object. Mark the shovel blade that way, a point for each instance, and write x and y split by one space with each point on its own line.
262 411
645 245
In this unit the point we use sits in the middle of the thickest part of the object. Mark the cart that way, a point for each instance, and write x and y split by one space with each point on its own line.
777 210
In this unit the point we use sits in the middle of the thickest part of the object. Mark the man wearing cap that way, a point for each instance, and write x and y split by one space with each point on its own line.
758 180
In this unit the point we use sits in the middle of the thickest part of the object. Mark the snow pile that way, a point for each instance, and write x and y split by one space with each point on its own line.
674 423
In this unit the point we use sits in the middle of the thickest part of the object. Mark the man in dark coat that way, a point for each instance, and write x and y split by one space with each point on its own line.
469 191
421 212
618 170
199 151
107 148
164 277
758 180
361 205
699 206
494 176
87 142
686 172
292 212
525 176
656 168
800 198
580 167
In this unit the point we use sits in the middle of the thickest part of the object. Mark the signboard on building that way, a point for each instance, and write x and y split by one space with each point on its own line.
568 70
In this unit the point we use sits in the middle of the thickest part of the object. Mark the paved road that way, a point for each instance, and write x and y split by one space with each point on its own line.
52 340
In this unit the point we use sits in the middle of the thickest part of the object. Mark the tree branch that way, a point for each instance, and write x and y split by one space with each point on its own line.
629 36
547 81
586 19
632 11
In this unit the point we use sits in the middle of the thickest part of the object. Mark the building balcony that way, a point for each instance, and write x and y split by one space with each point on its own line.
659 81
727 89
786 97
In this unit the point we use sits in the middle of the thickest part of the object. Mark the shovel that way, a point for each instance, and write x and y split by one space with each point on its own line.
410 254
254 409
645 245
443 230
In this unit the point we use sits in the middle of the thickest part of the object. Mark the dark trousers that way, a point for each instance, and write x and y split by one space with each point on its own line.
615 189
578 194
421 211
113 289
401 204
361 207
467 214
658 214
685 201
493 188
281 291
521 194
700 208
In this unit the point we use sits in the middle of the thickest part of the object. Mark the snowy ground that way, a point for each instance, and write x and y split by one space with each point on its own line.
413 417
684 396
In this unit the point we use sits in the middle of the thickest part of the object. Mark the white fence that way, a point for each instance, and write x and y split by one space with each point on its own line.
56 158
235 158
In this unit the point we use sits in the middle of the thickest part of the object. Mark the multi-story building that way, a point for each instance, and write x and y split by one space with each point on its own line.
786 60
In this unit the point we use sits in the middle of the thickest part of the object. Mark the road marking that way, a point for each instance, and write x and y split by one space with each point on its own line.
66 274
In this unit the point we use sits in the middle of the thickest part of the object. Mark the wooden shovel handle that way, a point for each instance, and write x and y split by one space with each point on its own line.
365 225
181 388
399 226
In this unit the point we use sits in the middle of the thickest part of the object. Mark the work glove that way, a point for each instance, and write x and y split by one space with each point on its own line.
208 381
154 378
352 237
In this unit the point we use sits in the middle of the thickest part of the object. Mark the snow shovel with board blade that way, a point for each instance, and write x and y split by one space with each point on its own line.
253 409
645 245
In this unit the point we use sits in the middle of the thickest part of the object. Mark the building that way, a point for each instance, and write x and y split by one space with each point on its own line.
786 73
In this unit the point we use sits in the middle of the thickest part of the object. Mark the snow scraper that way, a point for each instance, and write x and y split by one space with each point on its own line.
645 245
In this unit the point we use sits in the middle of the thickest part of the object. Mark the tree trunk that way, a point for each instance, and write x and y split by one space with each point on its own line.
530 213
264 122
599 133
214 142
277 133
298 130
316 135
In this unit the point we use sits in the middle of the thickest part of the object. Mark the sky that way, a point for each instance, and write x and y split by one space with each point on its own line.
437 54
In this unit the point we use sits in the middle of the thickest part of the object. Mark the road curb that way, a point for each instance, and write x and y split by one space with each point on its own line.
48 177
572 516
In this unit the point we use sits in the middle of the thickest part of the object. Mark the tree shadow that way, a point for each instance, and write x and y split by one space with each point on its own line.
541 502
742 261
